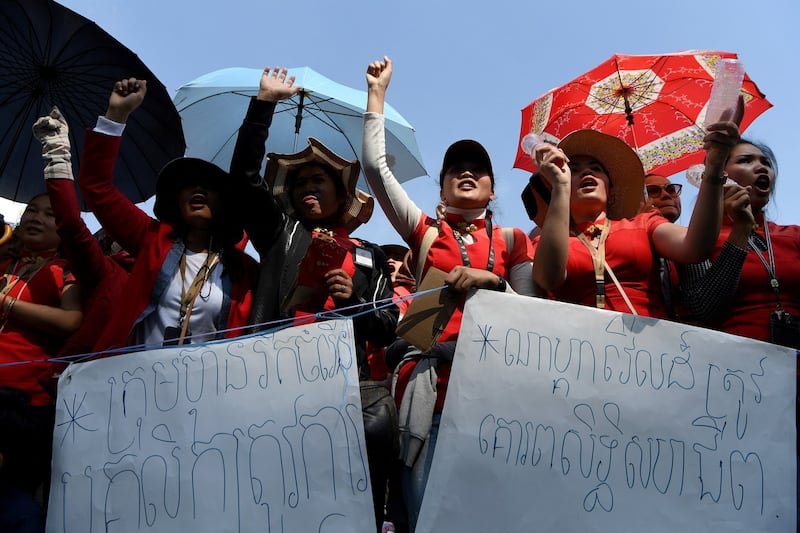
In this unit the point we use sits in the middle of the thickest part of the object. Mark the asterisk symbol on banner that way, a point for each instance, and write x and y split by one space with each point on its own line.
486 341
74 415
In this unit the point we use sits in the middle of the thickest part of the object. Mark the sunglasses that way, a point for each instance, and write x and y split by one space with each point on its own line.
673 189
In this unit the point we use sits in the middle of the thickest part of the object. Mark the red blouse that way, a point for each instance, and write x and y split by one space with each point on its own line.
445 254
754 299
21 344
631 258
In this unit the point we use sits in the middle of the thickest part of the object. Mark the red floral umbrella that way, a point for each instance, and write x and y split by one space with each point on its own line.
656 104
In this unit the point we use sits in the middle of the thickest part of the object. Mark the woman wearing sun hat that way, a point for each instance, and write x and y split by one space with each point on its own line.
188 280
299 219
305 200
591 233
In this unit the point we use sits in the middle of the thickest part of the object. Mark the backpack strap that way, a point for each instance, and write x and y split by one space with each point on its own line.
424 248
433 231
508 236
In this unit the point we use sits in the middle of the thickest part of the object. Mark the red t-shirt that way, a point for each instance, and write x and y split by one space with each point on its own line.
631 258
20 344
754 299
445 254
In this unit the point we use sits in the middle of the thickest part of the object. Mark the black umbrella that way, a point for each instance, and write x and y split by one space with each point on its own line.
50 55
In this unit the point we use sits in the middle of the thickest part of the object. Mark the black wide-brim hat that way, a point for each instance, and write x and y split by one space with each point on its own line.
187 171
624 168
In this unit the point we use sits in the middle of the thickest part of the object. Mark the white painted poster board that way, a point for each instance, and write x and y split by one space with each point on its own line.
261 433
566 418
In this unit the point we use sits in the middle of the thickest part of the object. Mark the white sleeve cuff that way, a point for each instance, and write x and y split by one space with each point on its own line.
109 127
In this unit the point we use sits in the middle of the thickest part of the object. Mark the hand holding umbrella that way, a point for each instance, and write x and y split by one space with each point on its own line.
274 85
126 96
319 108
53 132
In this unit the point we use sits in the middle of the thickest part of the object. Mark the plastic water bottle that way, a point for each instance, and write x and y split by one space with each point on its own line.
726 89
694 174
529 144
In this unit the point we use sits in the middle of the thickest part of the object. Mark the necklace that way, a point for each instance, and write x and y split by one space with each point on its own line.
463 248
598 254
592 229
324 231
464 228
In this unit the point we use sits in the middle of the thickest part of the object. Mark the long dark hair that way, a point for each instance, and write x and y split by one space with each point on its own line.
770 155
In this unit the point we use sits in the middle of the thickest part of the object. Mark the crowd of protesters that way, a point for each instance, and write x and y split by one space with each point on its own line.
607 236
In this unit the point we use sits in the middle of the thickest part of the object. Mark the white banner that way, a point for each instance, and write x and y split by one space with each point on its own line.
567 418
260 433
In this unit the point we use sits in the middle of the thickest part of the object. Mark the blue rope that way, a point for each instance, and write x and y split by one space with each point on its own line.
277 325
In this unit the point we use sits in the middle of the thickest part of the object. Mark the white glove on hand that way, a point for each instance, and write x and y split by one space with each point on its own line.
52 131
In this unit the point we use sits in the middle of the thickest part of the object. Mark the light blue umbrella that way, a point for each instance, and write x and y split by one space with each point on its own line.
213 106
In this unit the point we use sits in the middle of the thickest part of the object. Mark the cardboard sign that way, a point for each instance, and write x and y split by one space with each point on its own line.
428 314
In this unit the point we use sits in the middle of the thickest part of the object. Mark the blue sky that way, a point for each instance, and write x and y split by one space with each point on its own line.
465 69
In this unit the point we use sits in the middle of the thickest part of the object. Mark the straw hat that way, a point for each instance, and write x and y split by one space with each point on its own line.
624 168
281 169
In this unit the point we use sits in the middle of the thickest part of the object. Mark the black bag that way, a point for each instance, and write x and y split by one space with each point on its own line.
382 439
784 329
380 417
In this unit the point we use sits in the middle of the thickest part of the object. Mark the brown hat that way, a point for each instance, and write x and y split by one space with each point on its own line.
466 150
281 167
624 168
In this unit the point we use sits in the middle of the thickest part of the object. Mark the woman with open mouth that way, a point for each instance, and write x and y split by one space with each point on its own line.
189 282
463 241
751 285
300 218
594 249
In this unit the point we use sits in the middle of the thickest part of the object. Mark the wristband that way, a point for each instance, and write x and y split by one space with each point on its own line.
716 180
501 284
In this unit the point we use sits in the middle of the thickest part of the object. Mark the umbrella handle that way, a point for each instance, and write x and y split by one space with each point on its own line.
298 119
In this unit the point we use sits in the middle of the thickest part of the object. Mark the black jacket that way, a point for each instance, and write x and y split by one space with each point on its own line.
282 241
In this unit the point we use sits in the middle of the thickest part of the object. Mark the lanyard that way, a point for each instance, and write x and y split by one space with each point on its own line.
188 297
598 261
770 267
463 248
